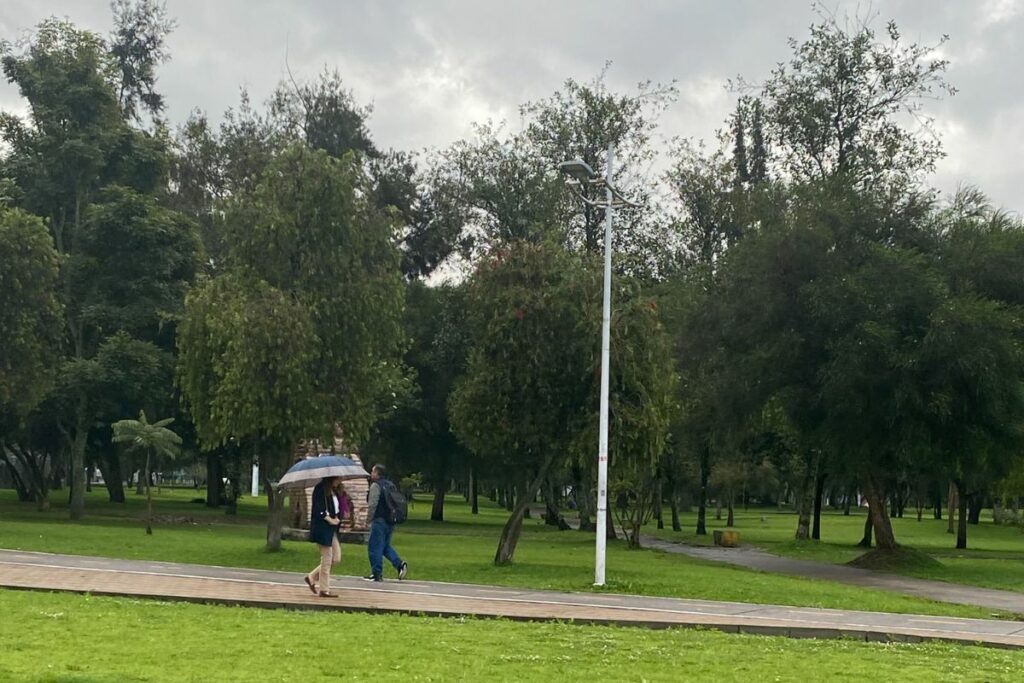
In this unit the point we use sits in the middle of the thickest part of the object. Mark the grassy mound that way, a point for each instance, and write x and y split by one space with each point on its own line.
898 560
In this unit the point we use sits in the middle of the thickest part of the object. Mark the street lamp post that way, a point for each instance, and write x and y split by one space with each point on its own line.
581 176
255 485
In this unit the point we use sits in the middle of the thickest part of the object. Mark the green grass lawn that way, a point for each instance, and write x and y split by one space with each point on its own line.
86 639
994 558
460 549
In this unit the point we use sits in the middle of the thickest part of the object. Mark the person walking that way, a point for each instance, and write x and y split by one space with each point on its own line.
381 527
324 520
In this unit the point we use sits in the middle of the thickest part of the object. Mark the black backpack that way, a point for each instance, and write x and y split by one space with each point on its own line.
398 506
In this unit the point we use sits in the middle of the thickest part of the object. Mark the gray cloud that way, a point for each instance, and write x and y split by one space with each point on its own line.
431 69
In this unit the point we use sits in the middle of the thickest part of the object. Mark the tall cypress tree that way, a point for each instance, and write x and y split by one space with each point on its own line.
758 151
739 147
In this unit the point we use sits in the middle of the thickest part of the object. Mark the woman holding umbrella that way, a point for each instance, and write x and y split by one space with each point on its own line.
324 520
326 511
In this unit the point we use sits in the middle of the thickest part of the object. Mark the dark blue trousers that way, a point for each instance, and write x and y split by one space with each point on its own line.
379 547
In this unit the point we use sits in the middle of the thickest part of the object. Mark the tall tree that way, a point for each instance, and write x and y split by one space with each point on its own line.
73 146
417 436
326 116
138 46
303 330
642 397
980 250
518 405
509 184
323 114
529 396
133 375
199 182
739 144
580 121
427 202
758 144
876 316
974 354
835 110
29 310
508 193
30 317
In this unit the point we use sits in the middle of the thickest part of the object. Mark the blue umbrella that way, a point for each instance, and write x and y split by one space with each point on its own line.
305 473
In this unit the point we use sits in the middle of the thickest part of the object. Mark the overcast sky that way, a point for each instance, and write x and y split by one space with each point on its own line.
430 69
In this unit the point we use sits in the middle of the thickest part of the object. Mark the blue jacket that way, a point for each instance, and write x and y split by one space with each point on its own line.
320 532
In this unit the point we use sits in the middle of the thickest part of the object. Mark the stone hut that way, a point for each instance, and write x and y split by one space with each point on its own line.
354 529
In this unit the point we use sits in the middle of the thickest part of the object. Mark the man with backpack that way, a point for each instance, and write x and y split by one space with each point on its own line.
386 507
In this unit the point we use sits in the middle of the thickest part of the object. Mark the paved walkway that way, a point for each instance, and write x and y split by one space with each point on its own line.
754 558
256 588
941 591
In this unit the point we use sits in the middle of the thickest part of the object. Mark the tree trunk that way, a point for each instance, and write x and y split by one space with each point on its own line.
804 503
29 469
674 502
514 526
39 475
437 509
961 532
731 519
474 494
233 486
510 501
702 507
954 496
885 539
938 504
633 537
850 495
975 502
149 501
23 490
510 534
214 493
77 507
552 516
112 476
90 472
819 491
865 541
657 505
585 506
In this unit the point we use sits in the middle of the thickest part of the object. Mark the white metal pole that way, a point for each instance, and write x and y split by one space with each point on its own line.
255 478
606 324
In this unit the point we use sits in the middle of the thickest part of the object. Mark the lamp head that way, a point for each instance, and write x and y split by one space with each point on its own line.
578 170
